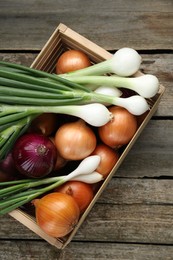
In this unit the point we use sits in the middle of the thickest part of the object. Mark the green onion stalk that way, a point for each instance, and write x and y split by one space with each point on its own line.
146 85
14 194
125 62
26 93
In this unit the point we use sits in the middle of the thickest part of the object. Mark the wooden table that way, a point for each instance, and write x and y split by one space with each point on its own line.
133 219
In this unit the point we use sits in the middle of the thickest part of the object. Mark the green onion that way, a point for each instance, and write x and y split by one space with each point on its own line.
125 62
14 194
26 93
33 74
15 124
146 86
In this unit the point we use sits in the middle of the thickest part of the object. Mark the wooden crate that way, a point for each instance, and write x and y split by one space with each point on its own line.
62 39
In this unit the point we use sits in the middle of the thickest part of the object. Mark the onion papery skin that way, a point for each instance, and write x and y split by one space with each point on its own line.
56 214
60 161
120 130
80 191
34 155
75 140
72 60
7 165
109 157
45 124
8 170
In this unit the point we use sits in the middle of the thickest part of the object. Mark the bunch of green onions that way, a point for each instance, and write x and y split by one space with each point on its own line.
14 194
26 93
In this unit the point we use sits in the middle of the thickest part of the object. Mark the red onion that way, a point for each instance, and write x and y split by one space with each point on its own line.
34 155
8 171
7 165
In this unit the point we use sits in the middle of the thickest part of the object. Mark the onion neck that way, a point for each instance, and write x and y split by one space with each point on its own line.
35 202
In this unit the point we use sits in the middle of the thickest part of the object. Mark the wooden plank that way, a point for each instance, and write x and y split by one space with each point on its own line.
28 24
129 223
12 229
138 191
161 66
151 155
83 251
20 58
136 223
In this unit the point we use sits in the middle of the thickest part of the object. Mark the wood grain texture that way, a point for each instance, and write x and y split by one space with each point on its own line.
138 191
136 223
111 24
151 155
39 250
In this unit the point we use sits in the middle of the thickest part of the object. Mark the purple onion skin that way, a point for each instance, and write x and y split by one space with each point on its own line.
8 171
34 155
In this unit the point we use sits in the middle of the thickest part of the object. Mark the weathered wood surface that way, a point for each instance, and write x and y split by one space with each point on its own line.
114 223
112 23
133 217
26 250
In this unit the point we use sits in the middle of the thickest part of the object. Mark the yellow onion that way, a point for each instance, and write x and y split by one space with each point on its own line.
75 140
45 124
56 214
72 60
108 156
80 191
120 130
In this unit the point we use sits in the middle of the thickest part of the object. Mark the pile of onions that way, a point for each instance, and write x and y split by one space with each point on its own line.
80 191
56 214
72 60
75 140
120 130
34 155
